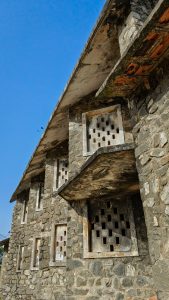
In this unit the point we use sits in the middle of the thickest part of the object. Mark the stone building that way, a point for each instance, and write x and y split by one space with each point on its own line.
91 219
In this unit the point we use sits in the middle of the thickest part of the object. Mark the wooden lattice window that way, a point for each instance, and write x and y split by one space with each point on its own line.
59 244
102 128
61 172
20 258
110 230
40 193
36 253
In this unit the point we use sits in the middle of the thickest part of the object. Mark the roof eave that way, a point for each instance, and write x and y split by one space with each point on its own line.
60 105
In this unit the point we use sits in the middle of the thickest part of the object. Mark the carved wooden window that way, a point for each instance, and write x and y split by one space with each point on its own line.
25 211
109 229
20 258
102 128
40 193
36 253
61 172
59 244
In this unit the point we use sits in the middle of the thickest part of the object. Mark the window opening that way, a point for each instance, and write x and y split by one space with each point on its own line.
25 211
40 195
61 172
36 253
111 248
110 229
60 243
103 128
97 233
20 258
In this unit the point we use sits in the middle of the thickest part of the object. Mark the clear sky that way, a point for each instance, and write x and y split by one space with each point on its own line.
41 41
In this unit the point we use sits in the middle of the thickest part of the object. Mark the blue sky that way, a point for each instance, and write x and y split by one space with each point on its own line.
41 42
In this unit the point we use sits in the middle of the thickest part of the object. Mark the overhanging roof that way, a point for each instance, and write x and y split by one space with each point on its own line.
94 65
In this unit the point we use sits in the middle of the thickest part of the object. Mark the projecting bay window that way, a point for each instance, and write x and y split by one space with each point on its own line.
24 211
39 199
109 229
36 254
20 258
58 251
102 128
60 172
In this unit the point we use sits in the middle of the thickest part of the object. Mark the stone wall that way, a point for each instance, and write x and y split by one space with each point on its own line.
115 278
151 132
46 282
120 278
89 279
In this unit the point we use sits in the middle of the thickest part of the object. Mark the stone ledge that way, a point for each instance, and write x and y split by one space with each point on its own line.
109 171
57 264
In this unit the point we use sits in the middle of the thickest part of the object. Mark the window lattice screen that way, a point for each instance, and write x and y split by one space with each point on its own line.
60 242
62 172
110 226
103 128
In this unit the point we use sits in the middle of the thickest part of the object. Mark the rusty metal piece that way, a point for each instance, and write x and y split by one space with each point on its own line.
121 80
144 70
147 44
152 36
160 48
165 17
132 68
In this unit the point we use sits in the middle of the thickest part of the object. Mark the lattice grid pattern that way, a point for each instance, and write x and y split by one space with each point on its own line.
104 129
60 242
109 226
62 172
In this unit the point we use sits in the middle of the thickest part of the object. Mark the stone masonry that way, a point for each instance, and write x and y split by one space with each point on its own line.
139 12
151 138
51 254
